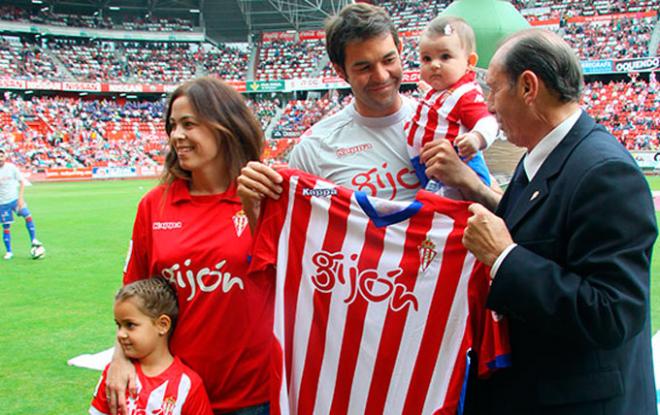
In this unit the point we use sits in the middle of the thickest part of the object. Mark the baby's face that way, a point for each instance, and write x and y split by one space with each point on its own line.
443 60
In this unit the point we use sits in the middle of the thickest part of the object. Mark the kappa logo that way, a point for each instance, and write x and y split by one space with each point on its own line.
347 151
319 191
427 254
166 226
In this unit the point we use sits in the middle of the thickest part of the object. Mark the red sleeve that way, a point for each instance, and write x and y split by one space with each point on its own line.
137 259
100 401
472 108
267 232
491 332
197 402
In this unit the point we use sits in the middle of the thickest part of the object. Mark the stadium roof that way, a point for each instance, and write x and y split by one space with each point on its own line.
266 16
224 20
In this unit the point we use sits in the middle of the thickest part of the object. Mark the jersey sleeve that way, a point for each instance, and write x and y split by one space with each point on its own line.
474 115
137 258
491 334
99 404
266 234
197 402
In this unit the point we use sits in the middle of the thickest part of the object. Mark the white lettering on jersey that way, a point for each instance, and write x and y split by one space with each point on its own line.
368 283
206 279
166 226
319 192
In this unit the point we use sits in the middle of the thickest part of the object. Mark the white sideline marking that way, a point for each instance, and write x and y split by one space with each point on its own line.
96 361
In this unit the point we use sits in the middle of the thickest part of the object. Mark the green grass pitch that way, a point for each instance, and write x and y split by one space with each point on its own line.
61 306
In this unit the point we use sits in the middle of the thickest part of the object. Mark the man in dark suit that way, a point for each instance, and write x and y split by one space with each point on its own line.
569 244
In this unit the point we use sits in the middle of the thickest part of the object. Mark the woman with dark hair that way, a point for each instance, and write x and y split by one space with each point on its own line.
191 229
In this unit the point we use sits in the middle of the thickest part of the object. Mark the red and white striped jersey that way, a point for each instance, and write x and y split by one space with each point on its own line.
176 391
449 113
377 302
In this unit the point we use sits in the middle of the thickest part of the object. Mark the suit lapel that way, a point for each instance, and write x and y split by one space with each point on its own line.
538 189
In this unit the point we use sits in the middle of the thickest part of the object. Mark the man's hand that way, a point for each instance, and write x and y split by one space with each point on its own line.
443 164
121 377
486 235
256 182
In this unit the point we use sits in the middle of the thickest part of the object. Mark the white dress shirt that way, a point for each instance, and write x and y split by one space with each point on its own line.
534 160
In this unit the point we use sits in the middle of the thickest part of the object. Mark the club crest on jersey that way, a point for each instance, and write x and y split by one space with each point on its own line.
240 222
319 191
427 253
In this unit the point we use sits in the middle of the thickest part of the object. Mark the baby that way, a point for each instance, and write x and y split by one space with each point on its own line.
454 108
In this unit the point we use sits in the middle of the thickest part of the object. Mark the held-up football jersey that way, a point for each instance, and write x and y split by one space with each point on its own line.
176 391
377 302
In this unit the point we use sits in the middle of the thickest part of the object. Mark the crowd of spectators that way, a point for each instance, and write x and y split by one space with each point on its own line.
264 109
45 132
226 62
562 9
630 110
615 39
299 115
413 15
23 60
284 59
118 21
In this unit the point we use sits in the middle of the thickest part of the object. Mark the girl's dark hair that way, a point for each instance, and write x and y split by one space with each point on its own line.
155 297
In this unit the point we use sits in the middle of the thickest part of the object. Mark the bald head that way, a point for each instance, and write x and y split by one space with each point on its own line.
545 54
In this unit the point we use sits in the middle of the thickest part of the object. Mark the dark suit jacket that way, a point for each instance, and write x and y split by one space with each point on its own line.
576 288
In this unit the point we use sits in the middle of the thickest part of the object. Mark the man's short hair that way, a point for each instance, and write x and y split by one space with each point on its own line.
549 57
446 25
356 22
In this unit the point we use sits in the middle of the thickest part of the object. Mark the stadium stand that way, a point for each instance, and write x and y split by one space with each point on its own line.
615 39
283 59
21 59
118 22
74 131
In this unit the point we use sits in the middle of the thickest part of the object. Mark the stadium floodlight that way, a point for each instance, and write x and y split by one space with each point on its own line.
29 92
37 2
114 8
83 94
194 10
43 9
131 96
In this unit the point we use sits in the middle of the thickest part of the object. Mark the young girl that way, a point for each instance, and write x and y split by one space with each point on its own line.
145 313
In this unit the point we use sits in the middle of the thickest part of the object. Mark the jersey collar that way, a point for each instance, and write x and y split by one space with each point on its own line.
181 193
386 219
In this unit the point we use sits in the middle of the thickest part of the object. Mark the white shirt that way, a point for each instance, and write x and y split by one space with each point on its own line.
10 178
533 161
361 153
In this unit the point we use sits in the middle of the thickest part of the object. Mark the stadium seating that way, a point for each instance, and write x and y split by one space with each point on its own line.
20 59
616 39
630 110
118 21
281 59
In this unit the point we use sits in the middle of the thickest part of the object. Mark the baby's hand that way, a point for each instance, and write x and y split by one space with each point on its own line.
468 144
423 87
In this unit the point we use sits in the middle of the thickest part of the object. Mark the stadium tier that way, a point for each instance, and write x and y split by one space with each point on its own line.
614 39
